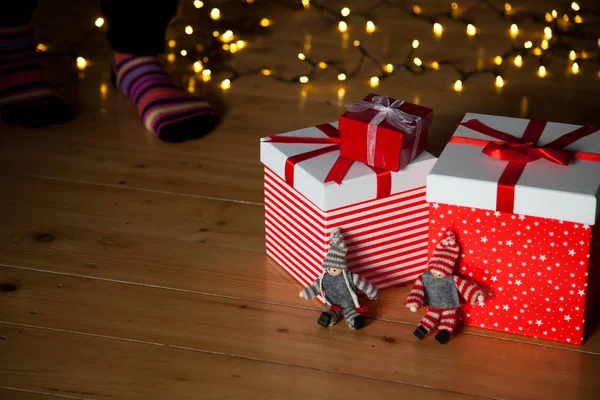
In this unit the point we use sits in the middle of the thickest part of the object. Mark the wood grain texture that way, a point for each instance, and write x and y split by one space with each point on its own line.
94 367
132 268
290 335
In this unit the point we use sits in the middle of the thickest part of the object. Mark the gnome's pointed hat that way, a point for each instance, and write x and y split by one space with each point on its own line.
445 255
336 255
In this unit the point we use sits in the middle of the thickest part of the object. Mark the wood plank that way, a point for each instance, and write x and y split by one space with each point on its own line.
290 335
104 367
164 243
20 394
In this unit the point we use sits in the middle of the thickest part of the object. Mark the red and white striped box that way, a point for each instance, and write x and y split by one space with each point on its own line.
383 215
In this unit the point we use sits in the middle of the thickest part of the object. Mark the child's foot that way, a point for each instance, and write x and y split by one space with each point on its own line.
26 97
165 108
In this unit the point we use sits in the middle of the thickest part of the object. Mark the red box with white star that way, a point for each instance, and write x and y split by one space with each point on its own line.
522 197
537 271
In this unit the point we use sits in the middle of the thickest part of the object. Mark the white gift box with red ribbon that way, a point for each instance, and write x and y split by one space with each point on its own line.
310 190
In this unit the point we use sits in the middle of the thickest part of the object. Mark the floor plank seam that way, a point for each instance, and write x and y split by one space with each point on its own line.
60 396
146 190
146 285
222 354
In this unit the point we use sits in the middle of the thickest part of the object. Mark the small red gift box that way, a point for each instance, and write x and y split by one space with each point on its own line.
384 132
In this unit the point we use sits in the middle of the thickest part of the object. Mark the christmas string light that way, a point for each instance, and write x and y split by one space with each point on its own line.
213 49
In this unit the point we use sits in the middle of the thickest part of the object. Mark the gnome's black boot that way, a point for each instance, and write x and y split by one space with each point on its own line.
359 322
443 336
324 319
420 332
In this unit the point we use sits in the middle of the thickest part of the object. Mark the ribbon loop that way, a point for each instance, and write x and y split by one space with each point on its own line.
392 114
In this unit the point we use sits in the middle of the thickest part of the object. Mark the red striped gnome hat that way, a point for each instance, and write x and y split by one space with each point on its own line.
336 255
445 255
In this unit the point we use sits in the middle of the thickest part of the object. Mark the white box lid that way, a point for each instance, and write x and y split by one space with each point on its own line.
467 177
360 183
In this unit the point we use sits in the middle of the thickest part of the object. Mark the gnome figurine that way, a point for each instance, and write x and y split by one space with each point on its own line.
440 291
339 287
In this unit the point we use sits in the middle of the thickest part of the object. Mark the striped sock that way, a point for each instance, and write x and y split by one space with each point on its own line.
26 97
165 108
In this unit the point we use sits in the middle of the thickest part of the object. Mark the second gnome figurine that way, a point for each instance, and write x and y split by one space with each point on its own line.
338 286
440 290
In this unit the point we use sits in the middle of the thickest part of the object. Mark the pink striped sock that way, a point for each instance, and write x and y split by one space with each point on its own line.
26 97
165 108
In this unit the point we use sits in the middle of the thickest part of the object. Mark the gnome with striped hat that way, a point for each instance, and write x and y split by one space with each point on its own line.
440 291
339 287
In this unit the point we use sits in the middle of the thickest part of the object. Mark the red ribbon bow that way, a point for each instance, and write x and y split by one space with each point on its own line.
340 168
519 152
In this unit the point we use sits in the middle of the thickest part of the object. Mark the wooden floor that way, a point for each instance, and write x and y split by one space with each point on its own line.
131 268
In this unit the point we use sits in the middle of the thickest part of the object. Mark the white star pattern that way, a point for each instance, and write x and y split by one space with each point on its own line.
541 255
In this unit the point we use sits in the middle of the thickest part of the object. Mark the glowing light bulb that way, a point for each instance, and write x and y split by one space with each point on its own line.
303 79
99 22
458 85
345 12
415 44
542 71
554 14
544 44
198 4
225 47
598 42
233 48
226 84
454 6
577 19
499 81
183 53
206 78
572 55
41 47
265 71
438 29
356 43
171 43
342 26
215 14
198 66
370 27
189 30
548 33
322 65
389 68
240 44
103 91
171 58
374 81
341 77
575 68
548 17
566 18
471 30
507 7
584 55
306 4
227 36
418 61
537 51
518 61
435 65
575 6
528 44
301 56
514 31
216 33
341 93
265 22
498 60
416 9
81 63
249 1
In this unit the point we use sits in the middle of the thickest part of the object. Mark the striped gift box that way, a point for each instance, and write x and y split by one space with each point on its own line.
386 236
